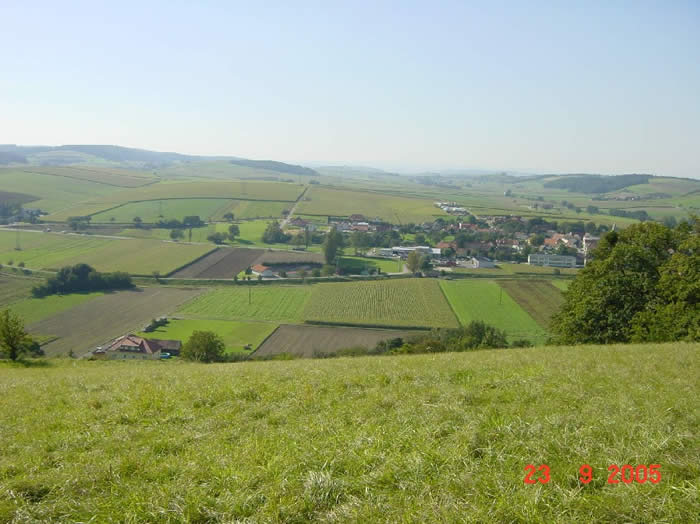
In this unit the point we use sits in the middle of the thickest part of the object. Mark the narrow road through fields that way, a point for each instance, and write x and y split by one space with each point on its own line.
294 208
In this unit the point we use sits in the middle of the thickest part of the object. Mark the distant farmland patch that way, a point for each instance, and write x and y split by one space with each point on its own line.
151 211
112 177
13 288
135 256
308 341
406 302
395 209
221 263
539 298
9 197
101 319
270 303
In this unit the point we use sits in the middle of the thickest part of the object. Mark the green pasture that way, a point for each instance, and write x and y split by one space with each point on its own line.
137 256
485 300
357 264
269 303
421 438
235 334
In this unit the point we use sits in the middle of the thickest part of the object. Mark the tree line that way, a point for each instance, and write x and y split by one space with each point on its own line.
81 278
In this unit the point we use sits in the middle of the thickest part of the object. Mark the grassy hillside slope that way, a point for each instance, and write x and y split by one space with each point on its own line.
402 439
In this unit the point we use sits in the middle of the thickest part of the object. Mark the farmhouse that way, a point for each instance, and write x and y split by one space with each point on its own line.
542 259
264 271
131 347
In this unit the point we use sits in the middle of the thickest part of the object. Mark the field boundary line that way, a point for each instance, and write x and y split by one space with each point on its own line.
327 323
191 262
250 355
442 290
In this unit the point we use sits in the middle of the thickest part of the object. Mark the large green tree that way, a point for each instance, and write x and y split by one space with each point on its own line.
332 245
203 346
643 285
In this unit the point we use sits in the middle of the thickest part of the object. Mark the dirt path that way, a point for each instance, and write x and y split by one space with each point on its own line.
291 211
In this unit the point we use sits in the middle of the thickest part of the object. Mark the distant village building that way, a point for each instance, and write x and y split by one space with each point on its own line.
544 259
404 251
480 262
589 243
133 347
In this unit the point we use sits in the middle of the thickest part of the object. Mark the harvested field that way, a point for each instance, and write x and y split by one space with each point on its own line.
539 298
221 263
101 319
307 341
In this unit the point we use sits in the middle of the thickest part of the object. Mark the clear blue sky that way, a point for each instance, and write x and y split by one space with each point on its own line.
550 86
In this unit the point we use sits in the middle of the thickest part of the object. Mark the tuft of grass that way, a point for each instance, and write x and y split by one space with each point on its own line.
439 437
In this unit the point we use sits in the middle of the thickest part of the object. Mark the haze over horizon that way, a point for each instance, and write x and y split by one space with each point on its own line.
597 87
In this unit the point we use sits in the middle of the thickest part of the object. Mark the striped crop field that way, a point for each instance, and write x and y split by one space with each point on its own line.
405 302
269 303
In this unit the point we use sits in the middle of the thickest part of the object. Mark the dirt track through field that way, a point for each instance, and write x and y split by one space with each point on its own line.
305 341
97 321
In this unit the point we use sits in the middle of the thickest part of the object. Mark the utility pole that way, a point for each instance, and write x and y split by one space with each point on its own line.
249 294
18 247
500 297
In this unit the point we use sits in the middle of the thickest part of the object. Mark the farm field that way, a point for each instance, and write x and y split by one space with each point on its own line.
354 439
237 189
53 193
405 302
221 263
507 268
269 303
310 341
357 263
138 257
151 211
563 285
14 287
108 176
100 319
35 309
539 298
485 300
235 334
336 202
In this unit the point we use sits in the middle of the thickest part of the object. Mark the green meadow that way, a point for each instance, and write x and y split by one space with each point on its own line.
424 438
485 300
34 309
235 334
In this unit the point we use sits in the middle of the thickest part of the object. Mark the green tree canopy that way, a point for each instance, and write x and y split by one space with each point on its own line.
203 346
643 285
14 340
332 245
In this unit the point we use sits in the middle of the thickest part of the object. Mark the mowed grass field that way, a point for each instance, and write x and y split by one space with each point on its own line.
406 302
14 287
139 257
235 334
424 438
485 300
269 303
357 264
539 298
394 209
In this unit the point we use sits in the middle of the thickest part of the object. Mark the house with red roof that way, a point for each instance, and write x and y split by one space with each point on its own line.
133 347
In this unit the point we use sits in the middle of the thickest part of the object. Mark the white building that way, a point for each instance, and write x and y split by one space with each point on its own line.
544 259
480 262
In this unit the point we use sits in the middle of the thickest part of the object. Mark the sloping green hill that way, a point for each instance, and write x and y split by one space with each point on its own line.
428 438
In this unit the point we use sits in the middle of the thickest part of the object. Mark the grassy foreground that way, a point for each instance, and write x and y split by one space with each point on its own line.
425 438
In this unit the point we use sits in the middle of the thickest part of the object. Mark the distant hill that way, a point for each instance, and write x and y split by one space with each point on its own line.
127 157
583 183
